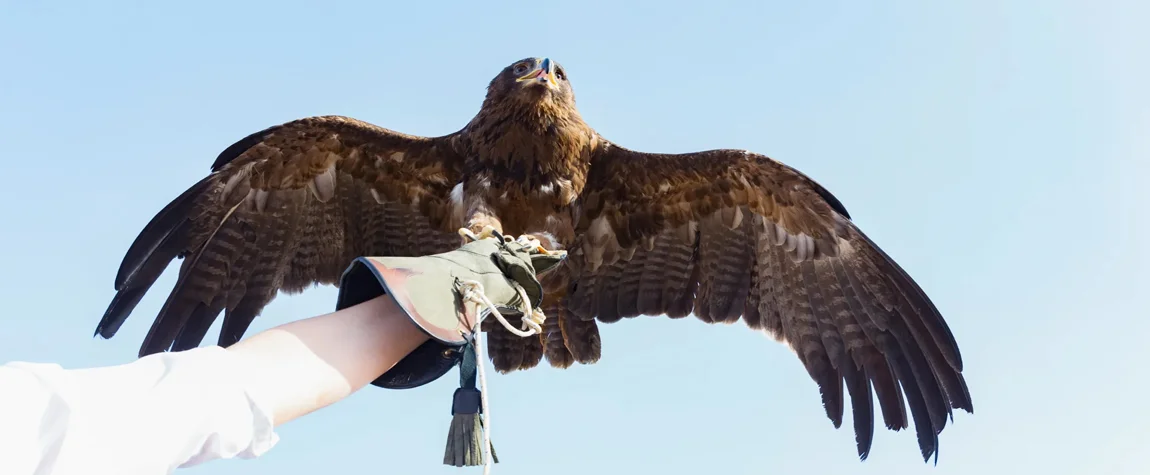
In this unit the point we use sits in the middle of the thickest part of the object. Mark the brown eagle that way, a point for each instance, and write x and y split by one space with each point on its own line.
721 234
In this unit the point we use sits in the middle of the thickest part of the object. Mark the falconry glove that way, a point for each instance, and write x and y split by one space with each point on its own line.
447 295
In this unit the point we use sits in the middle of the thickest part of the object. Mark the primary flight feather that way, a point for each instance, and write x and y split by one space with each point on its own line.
721 234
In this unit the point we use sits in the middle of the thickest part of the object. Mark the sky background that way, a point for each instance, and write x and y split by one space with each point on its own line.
997 150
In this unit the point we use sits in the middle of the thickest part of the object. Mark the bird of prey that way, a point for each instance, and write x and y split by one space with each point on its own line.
725 235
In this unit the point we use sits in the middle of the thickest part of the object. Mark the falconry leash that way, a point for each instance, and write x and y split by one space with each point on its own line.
448 295
471 415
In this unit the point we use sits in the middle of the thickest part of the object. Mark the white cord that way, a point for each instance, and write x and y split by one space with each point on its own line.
479 363
532 320
532 325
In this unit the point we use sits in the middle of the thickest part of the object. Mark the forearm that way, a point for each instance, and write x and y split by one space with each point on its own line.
181 409
302 366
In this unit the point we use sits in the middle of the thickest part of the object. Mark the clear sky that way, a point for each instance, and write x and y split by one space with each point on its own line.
997 150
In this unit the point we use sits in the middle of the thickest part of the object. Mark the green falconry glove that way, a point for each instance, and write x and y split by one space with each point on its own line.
430 290
443 295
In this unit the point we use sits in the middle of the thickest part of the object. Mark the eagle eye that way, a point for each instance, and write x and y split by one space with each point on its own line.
520 68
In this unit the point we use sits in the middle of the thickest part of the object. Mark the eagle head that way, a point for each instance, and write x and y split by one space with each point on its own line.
537 82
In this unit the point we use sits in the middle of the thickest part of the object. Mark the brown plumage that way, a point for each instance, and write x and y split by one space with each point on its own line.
722 234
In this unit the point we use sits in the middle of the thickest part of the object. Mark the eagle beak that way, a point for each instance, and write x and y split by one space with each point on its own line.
545 73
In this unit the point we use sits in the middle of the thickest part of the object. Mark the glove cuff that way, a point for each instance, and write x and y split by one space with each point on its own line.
430 361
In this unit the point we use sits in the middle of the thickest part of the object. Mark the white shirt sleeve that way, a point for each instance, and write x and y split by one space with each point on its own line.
148 417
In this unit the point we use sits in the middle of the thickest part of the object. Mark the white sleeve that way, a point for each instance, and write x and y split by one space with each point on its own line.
148 417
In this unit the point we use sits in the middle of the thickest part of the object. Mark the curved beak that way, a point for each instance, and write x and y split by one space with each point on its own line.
545 73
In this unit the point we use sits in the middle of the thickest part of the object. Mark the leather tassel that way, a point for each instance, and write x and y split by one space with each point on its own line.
465 436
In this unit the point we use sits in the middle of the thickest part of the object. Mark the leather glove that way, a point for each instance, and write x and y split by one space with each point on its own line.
431 289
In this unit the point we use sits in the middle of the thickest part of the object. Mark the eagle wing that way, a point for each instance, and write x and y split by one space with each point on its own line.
284 209
730 235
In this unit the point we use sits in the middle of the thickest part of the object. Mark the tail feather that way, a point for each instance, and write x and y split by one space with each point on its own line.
554 348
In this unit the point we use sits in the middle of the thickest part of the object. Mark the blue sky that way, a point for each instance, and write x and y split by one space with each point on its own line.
997 150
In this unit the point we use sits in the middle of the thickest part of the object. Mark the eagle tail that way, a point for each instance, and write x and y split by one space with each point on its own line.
554 346
505 349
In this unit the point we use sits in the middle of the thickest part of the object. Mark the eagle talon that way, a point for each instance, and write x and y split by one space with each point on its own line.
488 232
528 240
533 320
547 252
533 242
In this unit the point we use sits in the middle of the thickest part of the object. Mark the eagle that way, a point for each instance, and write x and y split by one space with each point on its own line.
724 235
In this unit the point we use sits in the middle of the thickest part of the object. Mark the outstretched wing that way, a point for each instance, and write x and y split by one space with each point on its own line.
284 209
730 235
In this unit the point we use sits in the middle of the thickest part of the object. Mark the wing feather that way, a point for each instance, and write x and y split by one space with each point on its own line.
729 235
725 278
877 366
251 290
284 209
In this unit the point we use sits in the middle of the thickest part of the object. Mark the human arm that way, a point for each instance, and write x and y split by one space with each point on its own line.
305 365
182 408
177 409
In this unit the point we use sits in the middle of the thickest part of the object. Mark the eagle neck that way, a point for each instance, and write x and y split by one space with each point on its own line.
530 145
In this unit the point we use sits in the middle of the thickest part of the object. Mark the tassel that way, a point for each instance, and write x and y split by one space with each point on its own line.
465 436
